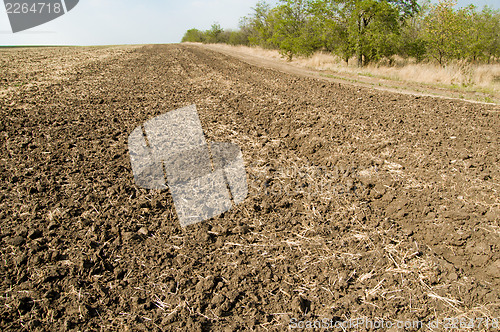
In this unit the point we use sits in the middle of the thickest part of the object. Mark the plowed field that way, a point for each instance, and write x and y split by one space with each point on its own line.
362 203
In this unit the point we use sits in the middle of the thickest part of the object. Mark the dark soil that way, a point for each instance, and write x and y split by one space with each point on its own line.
362 203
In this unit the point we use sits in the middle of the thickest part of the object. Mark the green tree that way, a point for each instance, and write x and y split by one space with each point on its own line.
381 31
483 38
412 39
237 38
407 8
244 33
295 30
373 25
444 31
492 32
214 34
194 36
259 25
332 28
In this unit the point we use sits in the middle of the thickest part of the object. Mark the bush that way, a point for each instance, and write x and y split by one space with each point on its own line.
194 36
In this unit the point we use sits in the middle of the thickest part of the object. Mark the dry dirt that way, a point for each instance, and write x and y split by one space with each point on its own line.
362 204
303 67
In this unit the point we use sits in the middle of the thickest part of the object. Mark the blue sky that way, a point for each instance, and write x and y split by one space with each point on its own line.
106 22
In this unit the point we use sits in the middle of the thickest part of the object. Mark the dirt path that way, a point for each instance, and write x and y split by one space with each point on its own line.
363 203
377 83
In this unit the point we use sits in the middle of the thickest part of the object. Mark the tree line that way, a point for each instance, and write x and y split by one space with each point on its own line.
367 30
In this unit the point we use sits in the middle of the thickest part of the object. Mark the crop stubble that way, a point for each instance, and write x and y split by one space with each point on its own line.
362 203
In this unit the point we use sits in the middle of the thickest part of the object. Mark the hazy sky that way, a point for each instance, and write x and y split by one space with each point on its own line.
105 22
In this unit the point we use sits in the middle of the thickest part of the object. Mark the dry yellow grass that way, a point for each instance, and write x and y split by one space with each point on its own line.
458 73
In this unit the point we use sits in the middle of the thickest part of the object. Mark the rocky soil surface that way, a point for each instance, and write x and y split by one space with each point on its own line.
362 203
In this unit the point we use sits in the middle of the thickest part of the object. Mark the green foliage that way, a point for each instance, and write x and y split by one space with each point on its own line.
217 35
483 37
373 28
412 42
443 31
462 33
237 38
260 25
368 29
194 36
295 30
214 34
332 28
